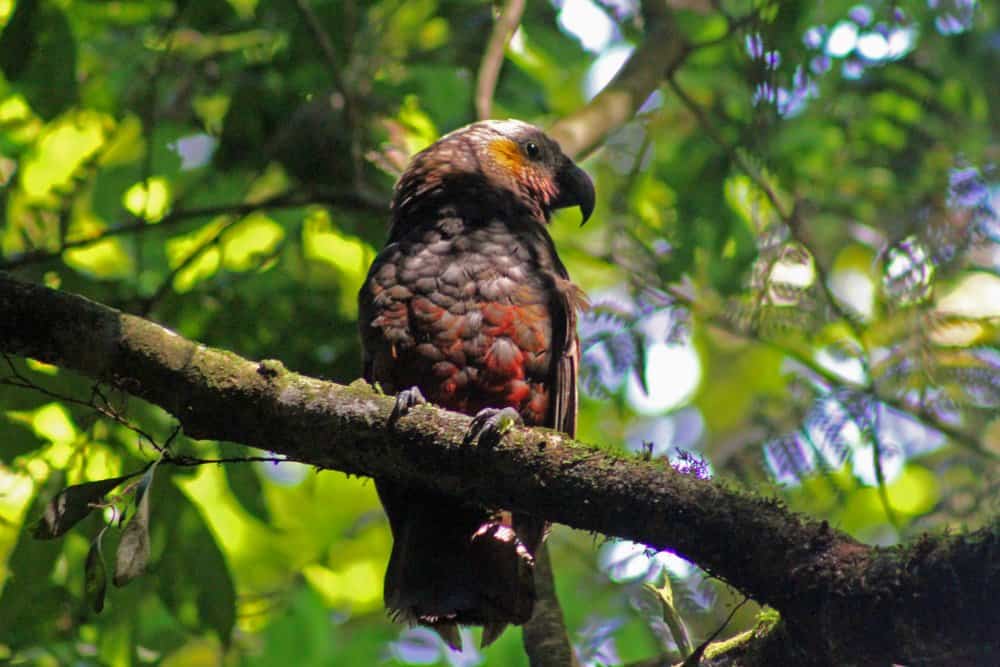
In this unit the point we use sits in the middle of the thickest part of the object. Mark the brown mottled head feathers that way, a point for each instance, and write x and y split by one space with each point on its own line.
498 167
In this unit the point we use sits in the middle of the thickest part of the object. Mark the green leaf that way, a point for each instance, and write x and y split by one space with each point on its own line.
300 631
108 259
195 255
95 580
17 439
245 484
72 505
19 39
133 550
248 242
30 602
194 579
110 185
38 55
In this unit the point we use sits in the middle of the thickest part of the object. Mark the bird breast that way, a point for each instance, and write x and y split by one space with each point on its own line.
466 317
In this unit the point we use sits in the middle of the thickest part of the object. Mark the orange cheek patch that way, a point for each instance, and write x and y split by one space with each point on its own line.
507 153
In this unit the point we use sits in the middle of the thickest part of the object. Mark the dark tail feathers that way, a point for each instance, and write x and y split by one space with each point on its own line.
457 565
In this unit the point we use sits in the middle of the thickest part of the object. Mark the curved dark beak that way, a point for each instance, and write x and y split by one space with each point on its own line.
575 189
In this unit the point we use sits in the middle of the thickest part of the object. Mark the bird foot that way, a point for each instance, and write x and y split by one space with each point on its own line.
492 631
405 400
490 424
449 633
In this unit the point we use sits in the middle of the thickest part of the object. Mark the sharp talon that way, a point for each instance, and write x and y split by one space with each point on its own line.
405 400
490 424
491 631
449 633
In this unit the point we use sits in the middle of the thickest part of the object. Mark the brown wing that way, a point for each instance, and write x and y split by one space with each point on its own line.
565 358
565 348
562 388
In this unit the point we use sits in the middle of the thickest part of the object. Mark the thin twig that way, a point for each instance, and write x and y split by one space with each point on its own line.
795 225
168 281
148 119
287 200
352 114
544 474
323 41
694 659
959 437
883 490
797 228
185 460
107 410
662 50
793 220
489 68
735 155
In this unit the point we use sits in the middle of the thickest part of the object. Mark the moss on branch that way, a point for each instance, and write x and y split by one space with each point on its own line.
841 602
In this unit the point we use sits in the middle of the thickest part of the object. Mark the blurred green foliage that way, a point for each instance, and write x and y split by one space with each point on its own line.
793 264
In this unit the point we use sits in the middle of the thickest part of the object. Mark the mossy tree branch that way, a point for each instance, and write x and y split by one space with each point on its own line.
842 602
662 50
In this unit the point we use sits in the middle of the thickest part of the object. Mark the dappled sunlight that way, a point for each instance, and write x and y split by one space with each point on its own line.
349 579
107 259
148 199
62 149
605 68
357 587
792 267
588 23
16 491
846 366
856 289
242 541
842 40
52 422
625 561
195 150
977 295
672 375
246 243
664 435
194 256
423 646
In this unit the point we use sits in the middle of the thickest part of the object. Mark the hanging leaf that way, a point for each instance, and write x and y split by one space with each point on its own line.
95 579
133 550
72 505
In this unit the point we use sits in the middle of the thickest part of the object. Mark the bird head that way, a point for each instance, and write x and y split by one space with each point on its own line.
491 167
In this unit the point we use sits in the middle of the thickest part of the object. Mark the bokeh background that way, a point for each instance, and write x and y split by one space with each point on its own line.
794 270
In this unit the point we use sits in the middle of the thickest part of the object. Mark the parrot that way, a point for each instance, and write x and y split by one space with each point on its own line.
469 307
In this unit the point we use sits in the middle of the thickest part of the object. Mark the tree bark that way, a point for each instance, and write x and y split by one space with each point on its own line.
936 600
662 50
545 638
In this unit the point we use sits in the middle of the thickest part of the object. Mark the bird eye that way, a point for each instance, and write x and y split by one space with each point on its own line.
532 150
